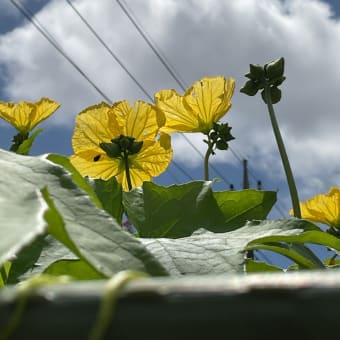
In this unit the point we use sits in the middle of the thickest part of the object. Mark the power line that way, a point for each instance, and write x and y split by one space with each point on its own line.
29 15
173 73
122 65
122 4
170 69
113 55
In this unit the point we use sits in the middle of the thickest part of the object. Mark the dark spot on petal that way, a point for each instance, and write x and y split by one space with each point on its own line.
96 158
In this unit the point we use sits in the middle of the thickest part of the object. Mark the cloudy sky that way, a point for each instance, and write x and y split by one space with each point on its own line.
198 38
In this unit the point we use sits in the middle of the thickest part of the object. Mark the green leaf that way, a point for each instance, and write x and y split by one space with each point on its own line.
250 88
4 272
275 68
78 269
26 259
258 266
238 207
178 210
76 176
72 217
311 234
298 253
22 210
174 211
52 251
256 71
110 195
284 250
205 252
25 147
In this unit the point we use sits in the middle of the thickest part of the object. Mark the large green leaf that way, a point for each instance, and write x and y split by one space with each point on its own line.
76 176
216 253
174 211
47 250
72 216
312 234
238 207
178 210
258 266
22 210
110 195
78 269
292 246
26 259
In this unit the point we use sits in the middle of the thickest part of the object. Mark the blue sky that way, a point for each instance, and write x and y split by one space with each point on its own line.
199 39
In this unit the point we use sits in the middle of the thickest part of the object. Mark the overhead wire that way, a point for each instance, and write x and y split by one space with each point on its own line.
170 69
113 55
121 64
30 16
122 4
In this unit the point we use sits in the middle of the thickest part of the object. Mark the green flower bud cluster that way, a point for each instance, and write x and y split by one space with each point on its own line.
18 140
121 146
270 75
219 136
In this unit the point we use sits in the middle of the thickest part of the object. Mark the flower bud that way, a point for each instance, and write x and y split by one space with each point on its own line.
111 149
256 72
135 147
250 88
275 95
274 69
221 145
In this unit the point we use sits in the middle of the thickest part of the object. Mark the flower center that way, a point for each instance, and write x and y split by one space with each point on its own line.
121 147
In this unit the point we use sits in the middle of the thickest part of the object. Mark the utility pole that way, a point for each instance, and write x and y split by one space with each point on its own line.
245 175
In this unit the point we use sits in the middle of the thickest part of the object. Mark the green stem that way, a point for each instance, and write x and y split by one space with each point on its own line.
206 160
3 274
283 154
127 170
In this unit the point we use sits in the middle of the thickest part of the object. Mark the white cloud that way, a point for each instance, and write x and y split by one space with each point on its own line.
199 38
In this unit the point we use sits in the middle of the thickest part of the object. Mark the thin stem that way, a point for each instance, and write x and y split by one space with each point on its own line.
127 170
283 154
3 274
206 160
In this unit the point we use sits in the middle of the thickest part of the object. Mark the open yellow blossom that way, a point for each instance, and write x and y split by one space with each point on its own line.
122 141
25 116
323 208
203 104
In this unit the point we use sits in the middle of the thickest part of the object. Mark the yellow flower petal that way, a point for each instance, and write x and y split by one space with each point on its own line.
141 121
153 158
43 109
178 117
206 102
102 123
151 161
94 125
24 116
210 98
96 165
323 208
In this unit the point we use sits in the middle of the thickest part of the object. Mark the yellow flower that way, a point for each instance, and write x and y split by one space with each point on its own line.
109 139
323 208
25 116
203 104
